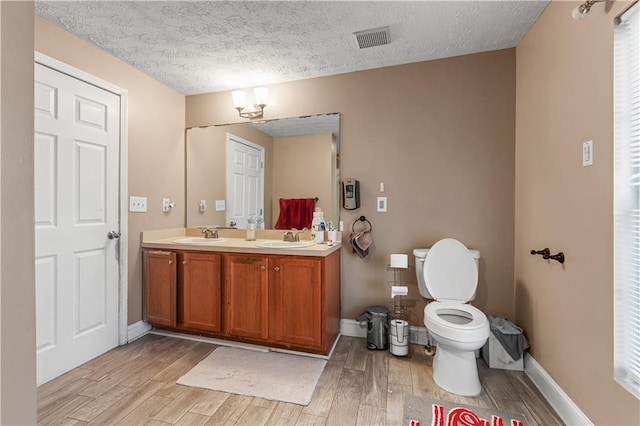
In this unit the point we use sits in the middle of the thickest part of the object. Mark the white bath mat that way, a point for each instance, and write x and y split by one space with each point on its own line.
269 375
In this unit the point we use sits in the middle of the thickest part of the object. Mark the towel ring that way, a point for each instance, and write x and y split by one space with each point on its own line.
361 219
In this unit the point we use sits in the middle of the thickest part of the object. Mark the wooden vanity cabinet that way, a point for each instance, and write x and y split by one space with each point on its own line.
295 301
199 291
285 301
159 280
246 296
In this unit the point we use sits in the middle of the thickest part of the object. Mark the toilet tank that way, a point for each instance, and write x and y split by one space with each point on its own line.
420 255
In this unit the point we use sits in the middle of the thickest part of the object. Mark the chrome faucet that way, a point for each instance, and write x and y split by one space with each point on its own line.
209 233
293 236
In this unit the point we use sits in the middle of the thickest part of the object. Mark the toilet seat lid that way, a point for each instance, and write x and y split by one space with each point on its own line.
450 272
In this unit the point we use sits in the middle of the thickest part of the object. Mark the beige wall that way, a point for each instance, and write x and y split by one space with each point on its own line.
440 135
303 169
564 97
17 292
155 140
206 170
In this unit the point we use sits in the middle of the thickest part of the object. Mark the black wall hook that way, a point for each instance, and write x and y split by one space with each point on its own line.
546 255
557 257
544 252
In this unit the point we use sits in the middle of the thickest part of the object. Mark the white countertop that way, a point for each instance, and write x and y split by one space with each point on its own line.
164 240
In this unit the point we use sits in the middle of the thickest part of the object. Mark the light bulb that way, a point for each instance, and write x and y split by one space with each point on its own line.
261 94
239 98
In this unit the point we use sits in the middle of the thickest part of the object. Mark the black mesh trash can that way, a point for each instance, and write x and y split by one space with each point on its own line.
377 318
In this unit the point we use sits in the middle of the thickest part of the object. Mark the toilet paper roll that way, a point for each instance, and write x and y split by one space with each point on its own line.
399 290
399 261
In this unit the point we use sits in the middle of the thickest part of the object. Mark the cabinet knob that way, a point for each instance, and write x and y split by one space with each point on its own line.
263 268
277 269
184 262
171 262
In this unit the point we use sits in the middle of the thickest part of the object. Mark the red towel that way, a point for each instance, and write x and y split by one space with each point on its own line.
296 213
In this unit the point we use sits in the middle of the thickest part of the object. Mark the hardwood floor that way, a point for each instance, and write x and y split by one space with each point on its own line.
135 385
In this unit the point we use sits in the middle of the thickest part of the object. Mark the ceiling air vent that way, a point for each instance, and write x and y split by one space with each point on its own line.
373 37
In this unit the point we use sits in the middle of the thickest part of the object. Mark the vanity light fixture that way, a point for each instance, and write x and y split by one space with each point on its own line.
582 11
239 102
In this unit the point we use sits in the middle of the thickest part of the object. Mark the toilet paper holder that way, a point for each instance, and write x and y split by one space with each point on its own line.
546 255
544 252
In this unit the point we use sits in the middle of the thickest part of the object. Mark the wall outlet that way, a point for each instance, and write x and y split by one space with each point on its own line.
203 205
167 205
138 204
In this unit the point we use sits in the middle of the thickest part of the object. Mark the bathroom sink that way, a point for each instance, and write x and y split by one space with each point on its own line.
198 240
285 244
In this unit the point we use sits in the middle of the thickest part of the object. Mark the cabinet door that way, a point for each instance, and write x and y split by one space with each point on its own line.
296 300
160 287
199 291
246 298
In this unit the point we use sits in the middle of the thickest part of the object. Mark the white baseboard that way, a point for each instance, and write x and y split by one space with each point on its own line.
352 328
349 327
568 411
137 330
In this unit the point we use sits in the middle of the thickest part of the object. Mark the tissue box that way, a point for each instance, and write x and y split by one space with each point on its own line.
496 357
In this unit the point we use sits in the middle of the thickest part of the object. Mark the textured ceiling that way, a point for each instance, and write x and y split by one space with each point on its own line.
306 125
209 46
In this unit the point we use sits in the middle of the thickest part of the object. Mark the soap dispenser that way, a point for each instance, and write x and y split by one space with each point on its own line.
251 228
318 227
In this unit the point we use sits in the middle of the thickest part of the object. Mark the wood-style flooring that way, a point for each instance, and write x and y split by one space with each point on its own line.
135 385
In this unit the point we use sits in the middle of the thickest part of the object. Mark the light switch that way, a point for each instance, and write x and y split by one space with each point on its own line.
138 204
382 204
220 205
587 153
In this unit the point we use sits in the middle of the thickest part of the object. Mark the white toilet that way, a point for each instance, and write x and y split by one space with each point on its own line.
448 273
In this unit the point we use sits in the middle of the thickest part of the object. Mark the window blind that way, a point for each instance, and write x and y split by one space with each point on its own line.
626 209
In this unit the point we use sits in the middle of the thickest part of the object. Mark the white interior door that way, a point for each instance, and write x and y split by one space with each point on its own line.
245 180
77 142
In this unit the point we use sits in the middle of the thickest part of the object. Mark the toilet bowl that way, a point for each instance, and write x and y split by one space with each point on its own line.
448 273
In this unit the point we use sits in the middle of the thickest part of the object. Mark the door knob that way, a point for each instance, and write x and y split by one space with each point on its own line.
113 235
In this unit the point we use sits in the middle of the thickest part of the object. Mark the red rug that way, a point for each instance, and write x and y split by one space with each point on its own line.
427 412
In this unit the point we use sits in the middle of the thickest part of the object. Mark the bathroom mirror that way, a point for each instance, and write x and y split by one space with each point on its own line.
299 158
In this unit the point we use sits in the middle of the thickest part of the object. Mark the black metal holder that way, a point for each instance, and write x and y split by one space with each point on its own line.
557 257
363 220
544 252
546 255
